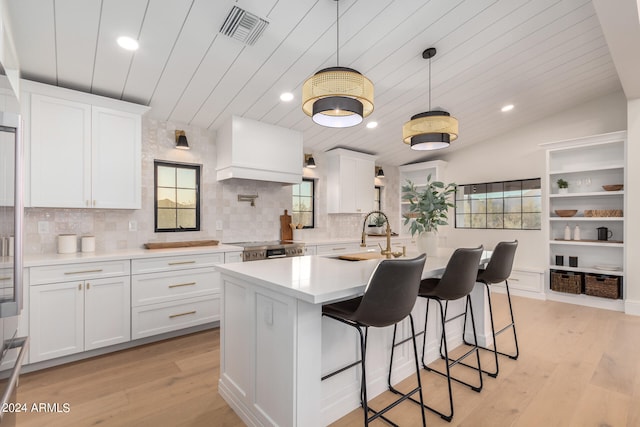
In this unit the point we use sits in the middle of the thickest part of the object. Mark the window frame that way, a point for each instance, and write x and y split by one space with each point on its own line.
177 165
505 201
313 203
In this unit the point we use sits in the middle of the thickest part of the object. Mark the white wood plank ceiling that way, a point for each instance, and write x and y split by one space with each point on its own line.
543 56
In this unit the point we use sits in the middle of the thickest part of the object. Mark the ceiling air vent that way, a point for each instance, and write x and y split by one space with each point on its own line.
243 26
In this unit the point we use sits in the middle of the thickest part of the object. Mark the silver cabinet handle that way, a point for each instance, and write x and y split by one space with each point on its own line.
171 316
338 249
182 284
5 278
99 270
181 262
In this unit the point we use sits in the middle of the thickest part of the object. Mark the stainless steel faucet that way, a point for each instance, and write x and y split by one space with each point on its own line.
363 243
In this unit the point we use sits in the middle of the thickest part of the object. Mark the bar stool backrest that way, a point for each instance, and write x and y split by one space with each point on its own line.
501 262
460 274
391 292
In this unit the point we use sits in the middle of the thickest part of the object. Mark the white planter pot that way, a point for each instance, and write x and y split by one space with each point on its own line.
563 190
427 243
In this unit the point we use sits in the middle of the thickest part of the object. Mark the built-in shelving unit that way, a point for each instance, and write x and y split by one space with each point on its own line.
587 164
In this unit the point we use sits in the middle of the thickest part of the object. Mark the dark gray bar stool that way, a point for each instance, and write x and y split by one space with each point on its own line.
388 298
498 270
456 282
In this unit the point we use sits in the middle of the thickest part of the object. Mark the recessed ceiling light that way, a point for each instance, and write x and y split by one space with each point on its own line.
372 125
286 97
128 43
507 108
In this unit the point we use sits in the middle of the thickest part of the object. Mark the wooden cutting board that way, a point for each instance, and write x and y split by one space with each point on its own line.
286 233
189 244
361 256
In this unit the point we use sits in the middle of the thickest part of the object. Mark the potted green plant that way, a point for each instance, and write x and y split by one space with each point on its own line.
428 209
563 186
376 224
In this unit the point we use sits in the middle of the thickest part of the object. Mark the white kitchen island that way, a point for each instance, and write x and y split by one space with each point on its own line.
275 345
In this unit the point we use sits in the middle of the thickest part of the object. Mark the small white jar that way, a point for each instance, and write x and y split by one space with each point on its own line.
67 244
88 244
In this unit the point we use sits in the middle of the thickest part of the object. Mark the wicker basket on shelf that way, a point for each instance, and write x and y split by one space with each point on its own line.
566 281
600 285
603 213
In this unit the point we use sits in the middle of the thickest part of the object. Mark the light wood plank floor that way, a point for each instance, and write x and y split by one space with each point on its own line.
579 366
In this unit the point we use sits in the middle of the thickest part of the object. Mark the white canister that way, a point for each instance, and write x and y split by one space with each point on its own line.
88 244
67 244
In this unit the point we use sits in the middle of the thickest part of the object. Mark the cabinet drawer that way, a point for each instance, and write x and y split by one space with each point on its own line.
80 271
159 318
339 249
175 262
154 288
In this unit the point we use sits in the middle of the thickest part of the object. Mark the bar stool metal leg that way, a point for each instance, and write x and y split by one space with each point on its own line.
495 333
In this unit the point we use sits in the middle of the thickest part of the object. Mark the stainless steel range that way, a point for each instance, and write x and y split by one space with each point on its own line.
254 251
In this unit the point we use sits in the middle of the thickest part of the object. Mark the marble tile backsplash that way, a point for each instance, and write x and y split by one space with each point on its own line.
123 229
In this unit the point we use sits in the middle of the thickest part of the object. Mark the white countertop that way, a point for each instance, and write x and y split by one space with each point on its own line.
79 257
319 279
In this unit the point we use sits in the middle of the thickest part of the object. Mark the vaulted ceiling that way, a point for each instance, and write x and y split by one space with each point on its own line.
543 56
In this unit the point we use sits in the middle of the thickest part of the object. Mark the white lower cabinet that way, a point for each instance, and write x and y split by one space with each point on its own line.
174 293
78 315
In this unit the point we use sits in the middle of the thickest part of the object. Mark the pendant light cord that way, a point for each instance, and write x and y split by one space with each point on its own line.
429 84
337 33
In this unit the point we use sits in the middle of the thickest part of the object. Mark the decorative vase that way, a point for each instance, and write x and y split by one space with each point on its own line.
427 243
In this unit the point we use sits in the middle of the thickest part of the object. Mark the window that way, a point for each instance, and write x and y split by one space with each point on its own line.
303 203
514 205
377 198
177 198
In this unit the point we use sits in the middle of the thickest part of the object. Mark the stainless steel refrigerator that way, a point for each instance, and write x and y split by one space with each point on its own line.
11 240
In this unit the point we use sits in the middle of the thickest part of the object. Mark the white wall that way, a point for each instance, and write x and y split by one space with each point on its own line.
632 210
516 155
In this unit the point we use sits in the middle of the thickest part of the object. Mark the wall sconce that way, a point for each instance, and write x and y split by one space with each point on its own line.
379 172
181 140
309 161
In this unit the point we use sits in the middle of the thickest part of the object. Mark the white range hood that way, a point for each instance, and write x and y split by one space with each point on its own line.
250 149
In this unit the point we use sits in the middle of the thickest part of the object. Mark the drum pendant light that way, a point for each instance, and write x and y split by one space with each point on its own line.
337 96
430 130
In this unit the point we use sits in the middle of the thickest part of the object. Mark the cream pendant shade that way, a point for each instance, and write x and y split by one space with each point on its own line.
337 97
430 130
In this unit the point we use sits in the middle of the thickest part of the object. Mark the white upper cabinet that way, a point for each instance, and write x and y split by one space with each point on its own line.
350 181
60 153
115 159
83 154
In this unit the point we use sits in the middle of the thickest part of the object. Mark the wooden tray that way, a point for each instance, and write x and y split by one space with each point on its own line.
188 244
361 256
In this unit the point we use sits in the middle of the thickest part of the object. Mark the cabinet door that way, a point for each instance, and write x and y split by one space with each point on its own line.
364 185
56 320
116 159
60 153
350 184
107 318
